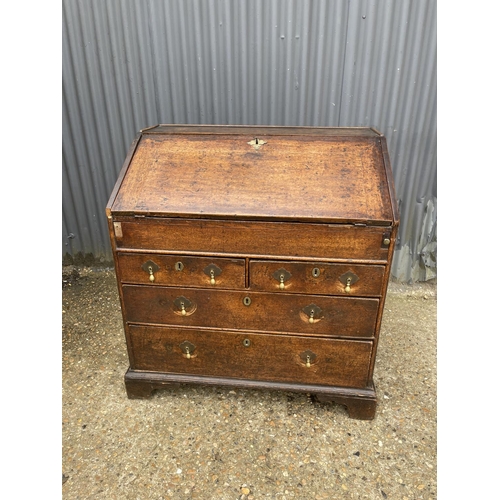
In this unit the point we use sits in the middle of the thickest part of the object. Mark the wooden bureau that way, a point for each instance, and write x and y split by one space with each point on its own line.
255 257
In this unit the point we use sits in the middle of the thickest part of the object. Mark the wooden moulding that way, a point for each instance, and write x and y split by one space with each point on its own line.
360 403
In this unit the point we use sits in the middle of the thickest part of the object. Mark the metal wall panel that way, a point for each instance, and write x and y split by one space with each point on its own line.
128 65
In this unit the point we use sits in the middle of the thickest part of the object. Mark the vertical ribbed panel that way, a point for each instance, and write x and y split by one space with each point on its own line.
128 65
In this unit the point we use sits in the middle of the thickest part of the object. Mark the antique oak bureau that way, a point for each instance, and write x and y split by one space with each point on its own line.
255 257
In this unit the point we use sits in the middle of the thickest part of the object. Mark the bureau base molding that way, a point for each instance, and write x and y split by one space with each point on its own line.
360 403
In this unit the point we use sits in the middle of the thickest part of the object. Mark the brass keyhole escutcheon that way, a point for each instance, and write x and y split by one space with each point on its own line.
316 272
212 277
151 274
308 361
246 342
348 285
179 266
256 143
247 301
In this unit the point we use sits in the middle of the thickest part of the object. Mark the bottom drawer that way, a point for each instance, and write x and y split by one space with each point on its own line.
251 356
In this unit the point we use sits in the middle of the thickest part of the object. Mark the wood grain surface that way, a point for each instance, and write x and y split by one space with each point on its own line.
257 357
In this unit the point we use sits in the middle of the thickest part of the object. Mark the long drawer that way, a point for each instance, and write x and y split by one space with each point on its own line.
258 311
253 356
332 241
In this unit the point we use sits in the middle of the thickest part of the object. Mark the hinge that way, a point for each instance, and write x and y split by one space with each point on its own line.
359 224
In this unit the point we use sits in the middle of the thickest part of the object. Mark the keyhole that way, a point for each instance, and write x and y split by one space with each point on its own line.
179 266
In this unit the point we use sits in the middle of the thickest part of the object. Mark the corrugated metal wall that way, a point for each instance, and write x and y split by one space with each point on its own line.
128 65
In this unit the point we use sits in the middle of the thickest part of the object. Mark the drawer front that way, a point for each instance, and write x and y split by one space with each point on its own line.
252 356
272 312
181 270
333 241
316 278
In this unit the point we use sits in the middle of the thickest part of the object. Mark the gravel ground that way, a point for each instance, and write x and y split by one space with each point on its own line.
218 443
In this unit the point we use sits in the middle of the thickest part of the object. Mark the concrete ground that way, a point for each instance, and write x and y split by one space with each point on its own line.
228 444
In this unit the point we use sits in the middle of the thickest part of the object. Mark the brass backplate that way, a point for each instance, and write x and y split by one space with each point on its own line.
349 274
183 301
313 308
281 272
187 347
308 355
212 268
150 264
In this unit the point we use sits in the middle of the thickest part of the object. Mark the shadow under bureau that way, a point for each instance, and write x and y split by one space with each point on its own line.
255 257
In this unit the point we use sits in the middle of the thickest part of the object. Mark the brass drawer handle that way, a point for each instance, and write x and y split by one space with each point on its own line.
312 313
184 306
308 358
282 275
187 349
348 279
212 271
150 267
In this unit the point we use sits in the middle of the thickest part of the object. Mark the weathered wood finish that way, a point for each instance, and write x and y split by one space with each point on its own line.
285 177
328 281
191 274
254 238
340 317
252 201
266 357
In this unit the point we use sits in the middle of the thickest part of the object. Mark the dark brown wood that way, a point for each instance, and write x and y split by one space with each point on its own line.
251 356
222 309
255 130
182 270
359 408
252 205
255 238
316 278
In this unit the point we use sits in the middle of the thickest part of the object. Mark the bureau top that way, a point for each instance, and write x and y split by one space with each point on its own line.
284 173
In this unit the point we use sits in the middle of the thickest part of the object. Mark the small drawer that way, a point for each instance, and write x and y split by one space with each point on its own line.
181 270
251 356
315 315
316 278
